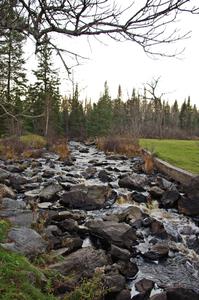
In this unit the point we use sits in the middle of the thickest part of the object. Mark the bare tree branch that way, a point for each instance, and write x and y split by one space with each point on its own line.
146 22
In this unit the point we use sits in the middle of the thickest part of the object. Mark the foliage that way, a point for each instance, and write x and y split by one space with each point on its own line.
33 141
4 227
89 289
117 144
181 153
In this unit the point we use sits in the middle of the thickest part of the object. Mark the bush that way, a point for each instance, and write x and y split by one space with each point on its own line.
117 144
33 141
90 289
60 147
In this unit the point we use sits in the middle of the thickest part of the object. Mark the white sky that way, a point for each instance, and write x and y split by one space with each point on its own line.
126 64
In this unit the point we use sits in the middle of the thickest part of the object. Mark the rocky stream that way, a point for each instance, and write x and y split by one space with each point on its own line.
104 213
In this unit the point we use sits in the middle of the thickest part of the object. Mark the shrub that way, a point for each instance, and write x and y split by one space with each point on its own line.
60 147
117 144
11 148
33 141
89 289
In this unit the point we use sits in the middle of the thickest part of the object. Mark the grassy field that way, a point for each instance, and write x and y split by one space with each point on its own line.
181 153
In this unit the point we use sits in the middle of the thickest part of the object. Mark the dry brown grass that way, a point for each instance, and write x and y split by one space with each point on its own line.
148 163
117 144
60 147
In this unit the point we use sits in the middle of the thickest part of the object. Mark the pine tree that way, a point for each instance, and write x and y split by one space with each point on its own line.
76 116
12 73
44 96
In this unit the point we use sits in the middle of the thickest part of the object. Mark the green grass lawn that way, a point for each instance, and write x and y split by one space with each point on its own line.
181 153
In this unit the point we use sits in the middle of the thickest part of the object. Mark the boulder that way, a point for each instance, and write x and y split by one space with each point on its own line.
50 192
26 241
157 251
144 286
4 175
119 234
6 191
17 181
134 181
120 253
160 296
180 293
87 197
170 199
123 295
81 263
104 176
114 283
7 203
127 268
156 192
139 197
189 206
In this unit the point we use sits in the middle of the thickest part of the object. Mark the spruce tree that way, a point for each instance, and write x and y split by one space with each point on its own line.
44 97
12 73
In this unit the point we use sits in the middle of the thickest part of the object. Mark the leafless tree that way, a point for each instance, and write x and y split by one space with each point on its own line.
146 22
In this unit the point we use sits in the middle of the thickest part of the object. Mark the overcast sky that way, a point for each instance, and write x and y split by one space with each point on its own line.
126 64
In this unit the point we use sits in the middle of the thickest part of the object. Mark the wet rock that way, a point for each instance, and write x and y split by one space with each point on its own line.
48 173
156 192
144 286
158 230
131 213
6 191
68 225
50 192
119 234
135 181
160 296
193 242
87 198
26 241
114 283
19 217
157 251
78 216
81 263
127 268
124 295
104 176
139 197
169 199
166 184
188 206
181 294
7 203
17 181
120 253
4 175
89 172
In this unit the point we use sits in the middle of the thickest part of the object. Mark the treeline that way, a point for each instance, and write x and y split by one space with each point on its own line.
40 108
138 116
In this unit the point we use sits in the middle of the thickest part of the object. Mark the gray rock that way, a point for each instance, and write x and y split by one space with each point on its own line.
17 181
114 283
120 253
169 199
134 181
189 207
81 263
3 175
50 192
6 191
156 192
87 197
19 217
7 203
26 241
157 252
119 234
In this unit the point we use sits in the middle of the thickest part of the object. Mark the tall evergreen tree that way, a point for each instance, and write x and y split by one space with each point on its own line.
12 73
44 97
